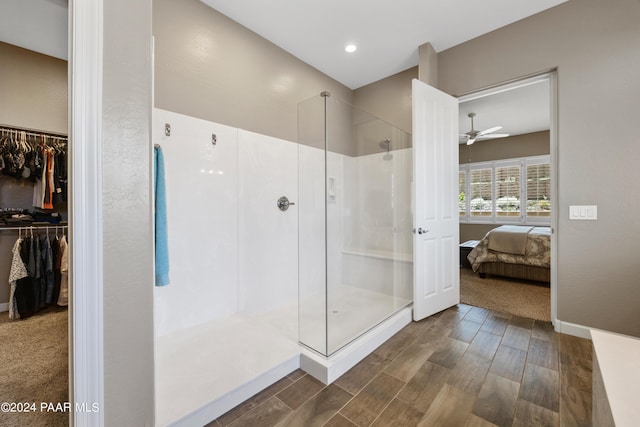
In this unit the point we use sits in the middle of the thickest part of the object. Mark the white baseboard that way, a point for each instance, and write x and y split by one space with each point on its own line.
572 329
330 369
4 307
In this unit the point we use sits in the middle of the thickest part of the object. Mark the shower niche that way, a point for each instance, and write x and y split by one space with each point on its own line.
355 223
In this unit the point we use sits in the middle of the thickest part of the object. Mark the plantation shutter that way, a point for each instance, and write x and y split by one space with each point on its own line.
539 190
481 192
508 191
462 193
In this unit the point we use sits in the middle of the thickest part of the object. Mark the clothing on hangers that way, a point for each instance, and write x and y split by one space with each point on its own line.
38 274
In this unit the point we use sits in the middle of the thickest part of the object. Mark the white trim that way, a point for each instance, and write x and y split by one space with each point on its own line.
86 359
572 329
506 86
330 369
552 77
555 205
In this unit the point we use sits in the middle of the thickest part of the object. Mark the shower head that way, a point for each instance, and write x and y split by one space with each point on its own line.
386 144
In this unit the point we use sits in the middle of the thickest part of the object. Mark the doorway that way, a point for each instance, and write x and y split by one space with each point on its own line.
35 302
507 176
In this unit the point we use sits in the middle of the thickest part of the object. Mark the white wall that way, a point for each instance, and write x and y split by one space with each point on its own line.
378 242
231 250
202 217
268 237
380 202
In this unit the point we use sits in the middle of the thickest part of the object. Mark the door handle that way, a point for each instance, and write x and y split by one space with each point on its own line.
422 231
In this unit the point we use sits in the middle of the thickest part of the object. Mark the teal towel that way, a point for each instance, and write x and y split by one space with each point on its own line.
162 247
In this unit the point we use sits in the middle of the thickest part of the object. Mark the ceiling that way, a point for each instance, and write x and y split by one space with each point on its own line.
523 109
38 25
387 35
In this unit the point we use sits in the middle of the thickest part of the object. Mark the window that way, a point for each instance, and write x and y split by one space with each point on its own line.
539 190
481 192
462 193
506 191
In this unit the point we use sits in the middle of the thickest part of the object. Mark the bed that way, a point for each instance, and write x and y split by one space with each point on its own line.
516 251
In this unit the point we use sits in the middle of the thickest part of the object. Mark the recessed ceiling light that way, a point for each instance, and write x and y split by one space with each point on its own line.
350 48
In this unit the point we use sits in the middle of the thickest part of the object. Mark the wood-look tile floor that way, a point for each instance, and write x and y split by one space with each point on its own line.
466 366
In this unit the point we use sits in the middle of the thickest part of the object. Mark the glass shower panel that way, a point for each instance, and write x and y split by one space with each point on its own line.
355 239
369 222
312 292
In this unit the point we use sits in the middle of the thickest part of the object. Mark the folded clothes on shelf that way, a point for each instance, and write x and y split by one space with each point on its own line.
17 217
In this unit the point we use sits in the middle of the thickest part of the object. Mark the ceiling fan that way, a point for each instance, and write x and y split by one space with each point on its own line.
474 135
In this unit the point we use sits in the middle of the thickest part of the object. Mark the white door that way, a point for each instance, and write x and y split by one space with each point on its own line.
436 278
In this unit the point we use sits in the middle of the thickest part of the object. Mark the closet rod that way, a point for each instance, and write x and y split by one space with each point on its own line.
33 132
35 227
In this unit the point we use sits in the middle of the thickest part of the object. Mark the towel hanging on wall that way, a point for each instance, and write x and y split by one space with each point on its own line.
162 248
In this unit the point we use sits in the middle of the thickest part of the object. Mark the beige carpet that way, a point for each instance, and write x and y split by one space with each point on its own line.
525 299
33 367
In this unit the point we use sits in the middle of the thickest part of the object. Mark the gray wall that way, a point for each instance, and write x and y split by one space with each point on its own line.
594 46
126 206
530 144
210 67
389 99
33 89
33 95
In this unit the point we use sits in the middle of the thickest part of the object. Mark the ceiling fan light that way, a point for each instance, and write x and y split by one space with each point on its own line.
471 141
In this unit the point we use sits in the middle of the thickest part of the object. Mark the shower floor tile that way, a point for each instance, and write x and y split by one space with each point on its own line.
350 313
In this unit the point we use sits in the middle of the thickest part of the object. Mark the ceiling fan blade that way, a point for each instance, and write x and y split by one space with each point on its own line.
493 135
490 130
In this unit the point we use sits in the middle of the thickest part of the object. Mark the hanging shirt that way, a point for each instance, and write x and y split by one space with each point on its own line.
57 256
47 269
63 298
18 271
24 286
47 202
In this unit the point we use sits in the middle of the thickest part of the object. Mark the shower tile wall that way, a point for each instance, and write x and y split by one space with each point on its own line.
232 251
268 237
378 232
202 216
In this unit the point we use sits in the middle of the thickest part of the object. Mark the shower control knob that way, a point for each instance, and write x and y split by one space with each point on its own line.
284 203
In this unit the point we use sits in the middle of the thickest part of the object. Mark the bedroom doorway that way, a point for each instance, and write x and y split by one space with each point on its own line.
507 177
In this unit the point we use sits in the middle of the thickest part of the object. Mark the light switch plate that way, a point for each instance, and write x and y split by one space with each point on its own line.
583 212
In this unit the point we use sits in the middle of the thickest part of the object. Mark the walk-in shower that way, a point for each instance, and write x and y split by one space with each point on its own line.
355 219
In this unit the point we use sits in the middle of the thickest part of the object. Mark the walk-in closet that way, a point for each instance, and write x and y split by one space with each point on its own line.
34 237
